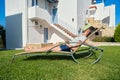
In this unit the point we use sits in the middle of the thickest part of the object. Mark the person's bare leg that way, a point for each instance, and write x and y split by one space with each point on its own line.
31 49
49 47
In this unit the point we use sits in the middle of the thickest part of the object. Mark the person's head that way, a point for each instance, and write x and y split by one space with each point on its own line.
91 28
88 30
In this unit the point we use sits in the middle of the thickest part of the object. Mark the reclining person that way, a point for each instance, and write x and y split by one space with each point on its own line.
65 47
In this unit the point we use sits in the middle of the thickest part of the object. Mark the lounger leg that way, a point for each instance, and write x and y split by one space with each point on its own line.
98 59
93 49
91 53
13 59
15 55
74 57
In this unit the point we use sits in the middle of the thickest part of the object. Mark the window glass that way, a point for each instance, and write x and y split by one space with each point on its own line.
34 2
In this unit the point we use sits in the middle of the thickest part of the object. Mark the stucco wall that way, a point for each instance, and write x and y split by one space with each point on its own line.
67 12
104 12
13 25
112 16
55 36
82 7
35 35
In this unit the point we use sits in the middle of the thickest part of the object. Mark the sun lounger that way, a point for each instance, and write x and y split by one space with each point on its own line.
89 48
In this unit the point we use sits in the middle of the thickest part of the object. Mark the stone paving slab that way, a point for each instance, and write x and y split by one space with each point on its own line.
105 43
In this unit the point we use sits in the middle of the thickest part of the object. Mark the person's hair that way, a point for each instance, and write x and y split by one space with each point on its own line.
91 28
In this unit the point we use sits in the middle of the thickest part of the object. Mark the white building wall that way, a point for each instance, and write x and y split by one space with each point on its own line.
55 36
99 11
16 35
41 3
112 16
102 11
35 35
71 13
40 14
82 7
67 13
105 14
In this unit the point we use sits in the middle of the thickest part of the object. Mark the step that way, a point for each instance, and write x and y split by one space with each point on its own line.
65 30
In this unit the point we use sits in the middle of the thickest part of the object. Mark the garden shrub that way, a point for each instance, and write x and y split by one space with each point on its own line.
2 37
117 33
103 39
109 39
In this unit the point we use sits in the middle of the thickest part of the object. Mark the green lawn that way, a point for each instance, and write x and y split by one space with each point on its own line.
37 68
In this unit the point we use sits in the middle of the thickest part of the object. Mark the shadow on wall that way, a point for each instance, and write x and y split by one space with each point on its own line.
106 20
14 31
54 31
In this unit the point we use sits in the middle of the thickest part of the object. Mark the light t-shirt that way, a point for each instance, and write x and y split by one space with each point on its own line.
81 38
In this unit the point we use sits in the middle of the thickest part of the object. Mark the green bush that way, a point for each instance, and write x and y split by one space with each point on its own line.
1 43
98 39
117 33
109 39
2 37
103 39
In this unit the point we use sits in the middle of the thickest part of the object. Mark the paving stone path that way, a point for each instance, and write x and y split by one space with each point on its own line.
105 43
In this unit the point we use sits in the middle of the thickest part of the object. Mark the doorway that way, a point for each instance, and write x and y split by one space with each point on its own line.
45 35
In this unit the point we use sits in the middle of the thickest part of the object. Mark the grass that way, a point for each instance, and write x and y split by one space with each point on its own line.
60 68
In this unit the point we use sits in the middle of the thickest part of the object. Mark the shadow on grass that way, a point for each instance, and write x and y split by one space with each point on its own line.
57 56
2 49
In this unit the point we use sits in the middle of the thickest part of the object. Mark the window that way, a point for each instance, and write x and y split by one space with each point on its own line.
93 1
86 11
34 2
45 35
97 33
46 5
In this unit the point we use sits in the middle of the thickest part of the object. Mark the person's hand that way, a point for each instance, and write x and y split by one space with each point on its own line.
80 41
66 41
